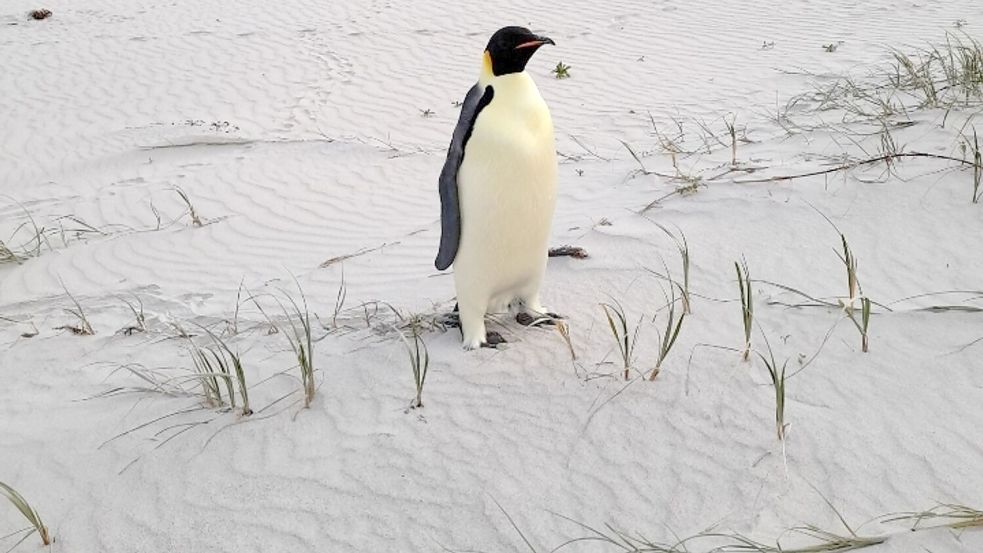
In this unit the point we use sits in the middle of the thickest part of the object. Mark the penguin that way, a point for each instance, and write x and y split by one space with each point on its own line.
498 190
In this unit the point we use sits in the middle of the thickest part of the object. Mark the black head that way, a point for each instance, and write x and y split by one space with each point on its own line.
511 47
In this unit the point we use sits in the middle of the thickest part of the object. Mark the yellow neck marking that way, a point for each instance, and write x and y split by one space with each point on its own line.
487 74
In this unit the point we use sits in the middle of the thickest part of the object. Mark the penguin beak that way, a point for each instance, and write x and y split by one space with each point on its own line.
535 43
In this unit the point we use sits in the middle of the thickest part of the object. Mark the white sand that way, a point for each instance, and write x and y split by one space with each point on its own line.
298 132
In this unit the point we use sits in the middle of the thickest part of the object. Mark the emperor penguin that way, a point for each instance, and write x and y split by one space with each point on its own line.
498 189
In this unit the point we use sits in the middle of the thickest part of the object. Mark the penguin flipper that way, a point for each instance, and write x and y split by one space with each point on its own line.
450 210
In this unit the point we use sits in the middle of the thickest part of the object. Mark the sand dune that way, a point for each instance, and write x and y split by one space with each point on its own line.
308 137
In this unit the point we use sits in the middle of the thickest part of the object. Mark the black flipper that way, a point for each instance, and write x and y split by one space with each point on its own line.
450 210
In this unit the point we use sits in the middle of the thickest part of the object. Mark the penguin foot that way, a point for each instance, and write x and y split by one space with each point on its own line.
450 320
525 319
493 339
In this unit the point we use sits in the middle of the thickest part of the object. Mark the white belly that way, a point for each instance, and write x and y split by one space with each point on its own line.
507 187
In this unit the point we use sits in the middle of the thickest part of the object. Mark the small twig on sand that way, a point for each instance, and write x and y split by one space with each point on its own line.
569 251
855 164
588 150
362 251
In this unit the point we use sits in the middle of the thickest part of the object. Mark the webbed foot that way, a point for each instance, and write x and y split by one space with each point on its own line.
493 339
525 319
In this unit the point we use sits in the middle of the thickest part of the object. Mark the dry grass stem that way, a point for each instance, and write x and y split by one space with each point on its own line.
32 516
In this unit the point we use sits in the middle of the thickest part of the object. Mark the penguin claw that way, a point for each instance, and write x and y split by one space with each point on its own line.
493 339
450 320
525 319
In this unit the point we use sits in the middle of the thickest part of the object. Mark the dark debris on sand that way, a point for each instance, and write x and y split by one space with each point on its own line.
569 251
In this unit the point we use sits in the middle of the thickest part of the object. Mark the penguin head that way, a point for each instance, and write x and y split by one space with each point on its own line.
511 47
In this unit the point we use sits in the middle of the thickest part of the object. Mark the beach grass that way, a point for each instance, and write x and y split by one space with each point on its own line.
7 254
747 305
825 542
210 368
192 212
682 246
419 357
83 326
624 336
298 330
943 74
974 149
777 375
29 512
947 515
673 324
610 538
19 250
339 299
850 264
156 380
863 325
139 317
731 125
229 364
299 335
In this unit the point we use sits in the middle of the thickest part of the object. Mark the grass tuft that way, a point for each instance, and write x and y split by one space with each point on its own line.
855 294
419 362
29 513
29 246
673 325
731 125
211 366
192 212
682 246
301 342
561 71
83 328
747 305
977 166
339 304
778 382
298 334
564 330
622 333
229 363
670 144
942 75
140 319
853 284
863 324
7 254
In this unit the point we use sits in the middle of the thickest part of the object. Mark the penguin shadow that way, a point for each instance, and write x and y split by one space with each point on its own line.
494 338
